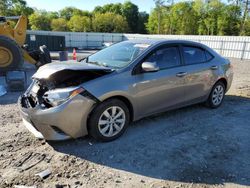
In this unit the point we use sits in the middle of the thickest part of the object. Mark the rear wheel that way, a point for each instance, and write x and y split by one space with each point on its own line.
11 56
216 96
109 120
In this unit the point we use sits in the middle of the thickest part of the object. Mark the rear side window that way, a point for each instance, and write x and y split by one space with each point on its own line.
209 56
194 55
165 57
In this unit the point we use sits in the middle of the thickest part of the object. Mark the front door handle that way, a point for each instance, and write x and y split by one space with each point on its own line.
181 74
214 67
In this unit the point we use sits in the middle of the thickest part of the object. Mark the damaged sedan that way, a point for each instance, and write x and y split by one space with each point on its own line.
103 93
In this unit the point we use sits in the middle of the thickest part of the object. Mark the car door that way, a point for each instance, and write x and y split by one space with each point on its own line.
156 91
200 72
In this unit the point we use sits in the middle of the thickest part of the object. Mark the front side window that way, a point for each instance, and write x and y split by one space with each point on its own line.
166 57
193 55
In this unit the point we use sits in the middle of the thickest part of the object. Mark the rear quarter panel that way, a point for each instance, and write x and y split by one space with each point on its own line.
224 70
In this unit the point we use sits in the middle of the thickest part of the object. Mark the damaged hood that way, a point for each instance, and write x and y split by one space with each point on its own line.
47 70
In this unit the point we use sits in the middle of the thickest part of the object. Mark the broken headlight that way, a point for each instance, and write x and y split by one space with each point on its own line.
58 96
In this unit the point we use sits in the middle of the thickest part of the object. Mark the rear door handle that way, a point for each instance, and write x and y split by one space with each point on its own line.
181 74
214 67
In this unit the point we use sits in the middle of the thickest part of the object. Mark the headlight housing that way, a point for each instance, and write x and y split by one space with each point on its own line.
58 96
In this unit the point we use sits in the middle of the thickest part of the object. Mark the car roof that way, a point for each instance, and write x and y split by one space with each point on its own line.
156 42
163 41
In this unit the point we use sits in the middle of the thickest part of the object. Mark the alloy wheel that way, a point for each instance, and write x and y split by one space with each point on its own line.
111 121
217 95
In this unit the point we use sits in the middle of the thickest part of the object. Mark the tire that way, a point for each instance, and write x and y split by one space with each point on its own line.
218 91
16 52
99 121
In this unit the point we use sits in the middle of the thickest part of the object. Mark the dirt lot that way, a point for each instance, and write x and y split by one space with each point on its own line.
189 147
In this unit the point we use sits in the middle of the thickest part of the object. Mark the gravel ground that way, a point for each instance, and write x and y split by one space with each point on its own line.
190 147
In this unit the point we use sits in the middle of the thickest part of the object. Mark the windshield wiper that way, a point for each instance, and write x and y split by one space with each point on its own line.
90 62
100 64
97 63
93 62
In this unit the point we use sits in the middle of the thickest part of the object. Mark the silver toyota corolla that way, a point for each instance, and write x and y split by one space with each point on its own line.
125 82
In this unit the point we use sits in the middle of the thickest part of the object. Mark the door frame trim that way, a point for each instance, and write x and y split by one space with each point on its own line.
136 70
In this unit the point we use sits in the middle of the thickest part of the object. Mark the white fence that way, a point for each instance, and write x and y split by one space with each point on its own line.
228 46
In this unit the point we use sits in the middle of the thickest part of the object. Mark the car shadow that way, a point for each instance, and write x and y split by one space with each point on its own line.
193 144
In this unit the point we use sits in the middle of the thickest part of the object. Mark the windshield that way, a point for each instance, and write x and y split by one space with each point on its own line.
118 55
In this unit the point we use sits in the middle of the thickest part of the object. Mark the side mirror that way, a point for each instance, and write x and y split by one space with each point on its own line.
150 67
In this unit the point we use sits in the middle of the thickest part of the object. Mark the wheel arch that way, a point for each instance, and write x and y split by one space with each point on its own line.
124 99
127 102
223 80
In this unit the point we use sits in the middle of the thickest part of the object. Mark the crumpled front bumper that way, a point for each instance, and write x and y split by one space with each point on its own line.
68 120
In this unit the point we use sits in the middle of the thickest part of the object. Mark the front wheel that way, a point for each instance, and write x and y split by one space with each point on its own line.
109 120
216 96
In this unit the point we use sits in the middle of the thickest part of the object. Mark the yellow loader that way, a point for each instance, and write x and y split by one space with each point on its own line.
13 52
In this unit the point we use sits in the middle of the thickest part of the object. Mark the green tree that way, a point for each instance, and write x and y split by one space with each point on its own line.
229 20
136 21
113 8
98 9
244 22
4 7
68 12
199 8
86 13
109 22
152 25
159 4
201 17
14 8
19 7
59 24
79 23
247 27
39 21
183 19
142 21
130 12
162 25
52 15
213 12
160 21
167 22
